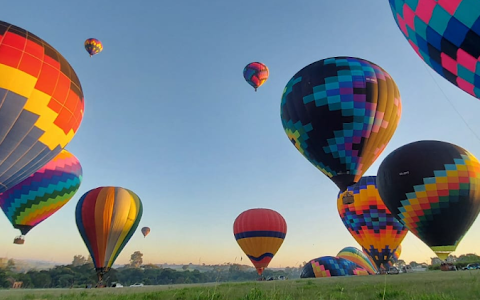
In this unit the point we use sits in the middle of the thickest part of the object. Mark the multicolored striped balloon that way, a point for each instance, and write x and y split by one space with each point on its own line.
260 233
42 104
35 199
433 188
93 46
355 255
106 218
340 113
370 222
328 266
255 74
446 35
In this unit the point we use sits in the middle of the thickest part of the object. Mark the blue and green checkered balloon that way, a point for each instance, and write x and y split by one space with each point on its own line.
340 113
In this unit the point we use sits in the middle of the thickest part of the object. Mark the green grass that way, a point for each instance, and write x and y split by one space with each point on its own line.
433 285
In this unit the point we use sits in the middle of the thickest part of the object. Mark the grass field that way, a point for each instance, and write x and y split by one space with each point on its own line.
433 285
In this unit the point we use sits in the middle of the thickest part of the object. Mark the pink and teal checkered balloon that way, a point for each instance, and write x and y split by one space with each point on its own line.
446 35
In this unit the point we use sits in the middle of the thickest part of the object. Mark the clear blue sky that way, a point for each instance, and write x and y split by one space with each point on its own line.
169 116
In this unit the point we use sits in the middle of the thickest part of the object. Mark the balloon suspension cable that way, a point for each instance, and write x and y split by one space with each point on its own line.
451 104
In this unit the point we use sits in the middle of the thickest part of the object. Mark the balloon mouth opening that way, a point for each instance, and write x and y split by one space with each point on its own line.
348 198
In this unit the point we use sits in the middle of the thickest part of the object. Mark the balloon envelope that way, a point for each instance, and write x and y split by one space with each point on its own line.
93 46
42 104
260 233
356 256
145 231
340 113
433 188
446 36
328 266
36 198
370 222
106 218
256 74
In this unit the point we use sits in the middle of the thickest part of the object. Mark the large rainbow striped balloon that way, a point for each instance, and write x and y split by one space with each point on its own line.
42 194
357 256
106 218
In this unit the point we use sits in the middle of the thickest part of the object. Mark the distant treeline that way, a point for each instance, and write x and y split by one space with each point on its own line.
67 276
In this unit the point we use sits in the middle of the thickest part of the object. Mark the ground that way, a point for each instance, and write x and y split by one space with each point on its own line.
432 285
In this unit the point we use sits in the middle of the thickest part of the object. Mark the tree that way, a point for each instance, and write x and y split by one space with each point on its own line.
136 259
400 263
79 260
10 265
185 267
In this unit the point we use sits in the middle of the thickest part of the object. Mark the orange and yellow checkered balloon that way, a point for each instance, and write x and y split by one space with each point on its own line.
41 104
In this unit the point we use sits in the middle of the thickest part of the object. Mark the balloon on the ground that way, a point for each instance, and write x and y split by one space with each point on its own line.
370 222
328 266
340 113
356 256
256 74
260 233
46 191
106 218
93 46
42 104
433 188
446 36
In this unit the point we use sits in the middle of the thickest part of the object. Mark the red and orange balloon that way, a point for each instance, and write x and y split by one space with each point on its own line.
260 233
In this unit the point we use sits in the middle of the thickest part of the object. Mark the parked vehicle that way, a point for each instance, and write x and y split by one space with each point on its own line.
393 270
116 285
472 267
137 285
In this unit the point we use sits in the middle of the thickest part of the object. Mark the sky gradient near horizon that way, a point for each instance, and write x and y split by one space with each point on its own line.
169 116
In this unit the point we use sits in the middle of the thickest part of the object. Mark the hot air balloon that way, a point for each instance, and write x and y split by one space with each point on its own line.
370 222
260 233
255 74
106 218
446 36
145 231
41 107
328 266
396 255
356 256
340 113
433 188
93 46
36 198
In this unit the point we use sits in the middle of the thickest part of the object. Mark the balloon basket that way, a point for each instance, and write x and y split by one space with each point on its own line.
348 198
19 240
448 267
